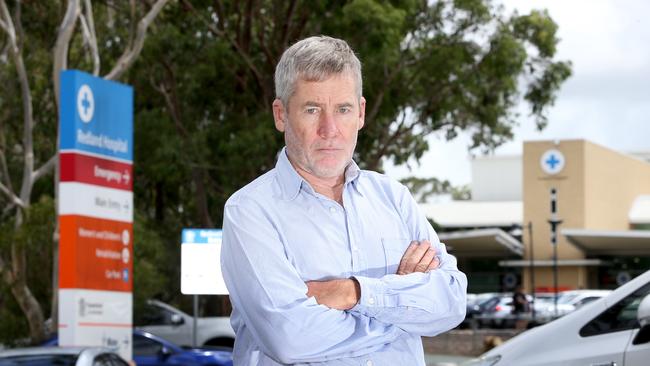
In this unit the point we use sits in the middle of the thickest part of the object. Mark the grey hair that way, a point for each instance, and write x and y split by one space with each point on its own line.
314 59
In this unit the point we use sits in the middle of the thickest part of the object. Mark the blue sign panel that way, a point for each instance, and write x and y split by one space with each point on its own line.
202 236
96 115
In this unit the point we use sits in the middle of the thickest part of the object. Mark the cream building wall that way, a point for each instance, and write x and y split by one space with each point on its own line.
595 190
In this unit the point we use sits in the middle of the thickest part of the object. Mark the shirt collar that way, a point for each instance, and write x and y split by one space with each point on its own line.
291 182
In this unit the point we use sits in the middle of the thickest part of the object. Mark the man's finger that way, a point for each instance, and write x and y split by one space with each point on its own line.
415 257
426 260
435 263
407 254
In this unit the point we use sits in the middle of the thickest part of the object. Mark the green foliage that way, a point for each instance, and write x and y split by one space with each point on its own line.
204 87
149 258
424 188
35 236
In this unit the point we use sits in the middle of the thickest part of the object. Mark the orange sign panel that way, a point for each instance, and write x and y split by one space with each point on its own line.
95 254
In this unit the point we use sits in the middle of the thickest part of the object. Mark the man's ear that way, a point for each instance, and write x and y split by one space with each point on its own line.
362 112
279 115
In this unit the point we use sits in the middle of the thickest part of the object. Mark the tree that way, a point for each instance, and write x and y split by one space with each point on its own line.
28 148
206 84
205 88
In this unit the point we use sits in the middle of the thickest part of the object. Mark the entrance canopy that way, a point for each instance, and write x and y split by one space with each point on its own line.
606 242
482 243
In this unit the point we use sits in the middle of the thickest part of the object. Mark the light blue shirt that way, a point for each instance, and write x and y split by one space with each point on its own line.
279 233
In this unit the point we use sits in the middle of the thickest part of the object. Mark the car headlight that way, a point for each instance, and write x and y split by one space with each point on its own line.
483 361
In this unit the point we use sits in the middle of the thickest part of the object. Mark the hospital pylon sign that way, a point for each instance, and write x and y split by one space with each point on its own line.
96 213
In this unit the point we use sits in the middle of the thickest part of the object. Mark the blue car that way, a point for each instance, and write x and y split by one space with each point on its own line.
151 350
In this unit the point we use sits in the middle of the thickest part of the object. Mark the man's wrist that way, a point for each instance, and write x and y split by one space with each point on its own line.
356 293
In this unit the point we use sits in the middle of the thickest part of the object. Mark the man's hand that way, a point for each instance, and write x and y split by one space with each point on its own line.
419 257
341 294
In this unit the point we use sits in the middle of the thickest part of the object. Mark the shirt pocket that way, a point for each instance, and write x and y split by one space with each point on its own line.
394 249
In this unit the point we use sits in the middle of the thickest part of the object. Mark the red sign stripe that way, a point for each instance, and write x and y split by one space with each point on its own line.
77 167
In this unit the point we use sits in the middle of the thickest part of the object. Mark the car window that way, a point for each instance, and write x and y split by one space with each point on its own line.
566 298
143 346
620 316
102 359
154 315
116 360
586 300
39 360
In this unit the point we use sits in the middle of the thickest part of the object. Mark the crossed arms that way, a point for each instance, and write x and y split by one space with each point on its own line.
344 294
294 322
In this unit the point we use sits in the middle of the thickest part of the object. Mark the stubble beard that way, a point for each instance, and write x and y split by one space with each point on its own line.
300 157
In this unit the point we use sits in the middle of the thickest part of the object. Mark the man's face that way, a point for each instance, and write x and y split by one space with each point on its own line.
321 124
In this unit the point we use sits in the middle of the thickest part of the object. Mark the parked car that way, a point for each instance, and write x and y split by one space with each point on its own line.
613 330
176 326
476 305
569 301
151 350
64 356
497 311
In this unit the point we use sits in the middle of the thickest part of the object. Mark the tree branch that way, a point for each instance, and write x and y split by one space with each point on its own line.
131 53
45 168
242 52
3 166
88 31
26 96
4 26
60 61
7 23
14 199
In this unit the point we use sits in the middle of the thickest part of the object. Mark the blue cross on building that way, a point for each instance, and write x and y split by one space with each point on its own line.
552 161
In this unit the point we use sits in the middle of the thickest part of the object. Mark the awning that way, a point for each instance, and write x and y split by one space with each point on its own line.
640 211
549 263
466 214
605 242
482 243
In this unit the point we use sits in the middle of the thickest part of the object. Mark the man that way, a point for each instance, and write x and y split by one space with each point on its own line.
325 263
520 307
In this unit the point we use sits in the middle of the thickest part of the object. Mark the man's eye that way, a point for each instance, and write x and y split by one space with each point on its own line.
344 110
311 110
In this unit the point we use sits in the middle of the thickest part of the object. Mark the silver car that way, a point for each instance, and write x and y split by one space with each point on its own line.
64 356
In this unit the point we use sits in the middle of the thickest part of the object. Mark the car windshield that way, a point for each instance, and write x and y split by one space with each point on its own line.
566 298
39 360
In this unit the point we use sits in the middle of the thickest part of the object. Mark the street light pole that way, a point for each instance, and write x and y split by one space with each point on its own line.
532 264
555 222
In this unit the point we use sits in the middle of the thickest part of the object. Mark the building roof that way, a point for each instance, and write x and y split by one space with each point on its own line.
609 242
640 211
457 214
482 243
549 262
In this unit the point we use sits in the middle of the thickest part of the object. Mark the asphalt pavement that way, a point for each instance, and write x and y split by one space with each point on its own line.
444 360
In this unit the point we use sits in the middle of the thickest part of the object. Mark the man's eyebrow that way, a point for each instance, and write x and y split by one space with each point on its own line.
310 103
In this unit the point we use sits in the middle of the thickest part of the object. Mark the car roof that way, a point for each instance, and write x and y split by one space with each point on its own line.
72 350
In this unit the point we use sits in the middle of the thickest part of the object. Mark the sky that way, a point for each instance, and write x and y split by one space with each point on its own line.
605 101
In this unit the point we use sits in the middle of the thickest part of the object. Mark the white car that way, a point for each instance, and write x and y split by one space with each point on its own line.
77 356
169 323
569 301
614 330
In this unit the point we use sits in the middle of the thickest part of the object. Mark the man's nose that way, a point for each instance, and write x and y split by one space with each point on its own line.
327 127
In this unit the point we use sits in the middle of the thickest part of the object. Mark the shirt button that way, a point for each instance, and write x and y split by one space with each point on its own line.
354 248
371 301
369 363
332 210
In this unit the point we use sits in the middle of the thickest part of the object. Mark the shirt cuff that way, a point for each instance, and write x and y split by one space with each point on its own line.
373 291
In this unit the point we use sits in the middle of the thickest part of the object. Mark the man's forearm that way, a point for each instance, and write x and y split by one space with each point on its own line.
340 294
